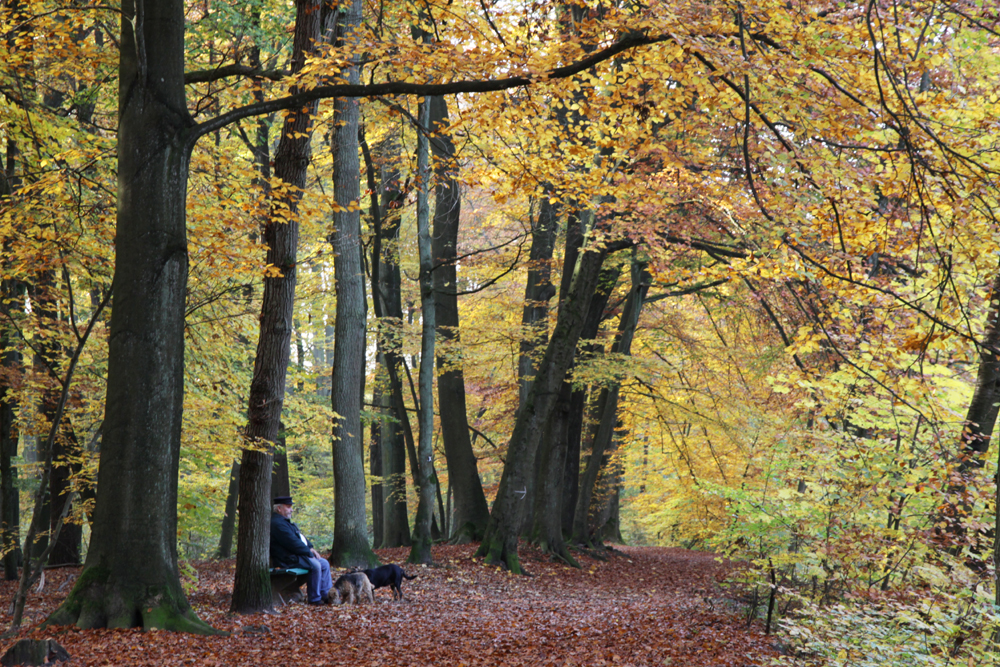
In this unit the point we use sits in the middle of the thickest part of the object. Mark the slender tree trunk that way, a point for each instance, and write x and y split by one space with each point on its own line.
375 463
252 584
11 298
229 519
981 417
571 471
471 513
350 533
67 458
396 531
420 551
387 301
977 433
10 510
45 363
135 520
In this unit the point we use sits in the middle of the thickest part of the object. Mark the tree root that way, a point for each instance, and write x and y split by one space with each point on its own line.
96 602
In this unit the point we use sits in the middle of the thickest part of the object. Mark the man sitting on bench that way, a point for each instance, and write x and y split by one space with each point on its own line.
290 548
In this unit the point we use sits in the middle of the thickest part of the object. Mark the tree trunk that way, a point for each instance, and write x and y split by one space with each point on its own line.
261 181
11 296
135 520
45 309
375 467
553 451
571 471
500 543
471 513
533 308
608 405
10 505
350 533
229 519
547 531
252 584
537 291
396 531
67 459
981 417
605 506
281 485
423 476
387 302
974 441
375 463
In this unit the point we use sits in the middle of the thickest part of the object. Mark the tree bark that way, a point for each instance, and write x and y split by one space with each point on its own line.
229 519
350 533
981 417
977 433
423 477
375 464
387 302
281 485
533 309
252 584
67 459
608 405
471 512
554 449
537 291
135 520
500 543
10 505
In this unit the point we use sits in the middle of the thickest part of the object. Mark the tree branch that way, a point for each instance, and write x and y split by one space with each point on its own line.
390 88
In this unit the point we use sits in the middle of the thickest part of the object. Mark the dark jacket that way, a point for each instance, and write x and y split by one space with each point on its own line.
287 548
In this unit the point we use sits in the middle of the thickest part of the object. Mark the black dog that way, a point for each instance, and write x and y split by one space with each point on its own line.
389 575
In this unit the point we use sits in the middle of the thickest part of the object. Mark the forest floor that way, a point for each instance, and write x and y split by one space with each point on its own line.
643 606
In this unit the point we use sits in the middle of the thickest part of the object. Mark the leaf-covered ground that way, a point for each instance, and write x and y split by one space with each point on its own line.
643 606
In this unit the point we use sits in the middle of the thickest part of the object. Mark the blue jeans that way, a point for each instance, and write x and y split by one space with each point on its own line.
320 582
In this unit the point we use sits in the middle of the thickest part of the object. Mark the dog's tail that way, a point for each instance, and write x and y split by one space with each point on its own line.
409 576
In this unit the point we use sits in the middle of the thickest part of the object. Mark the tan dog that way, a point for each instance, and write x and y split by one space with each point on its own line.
352 588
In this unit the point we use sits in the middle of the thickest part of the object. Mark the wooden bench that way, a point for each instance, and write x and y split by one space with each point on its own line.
285 583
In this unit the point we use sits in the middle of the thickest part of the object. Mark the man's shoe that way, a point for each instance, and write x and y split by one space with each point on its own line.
317 603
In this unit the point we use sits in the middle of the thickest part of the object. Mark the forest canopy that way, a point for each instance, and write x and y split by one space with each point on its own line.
706 274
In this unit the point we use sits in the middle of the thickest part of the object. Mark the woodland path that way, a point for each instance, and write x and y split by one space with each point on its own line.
644 606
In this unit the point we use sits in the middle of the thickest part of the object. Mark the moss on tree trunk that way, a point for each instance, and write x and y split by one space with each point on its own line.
112 598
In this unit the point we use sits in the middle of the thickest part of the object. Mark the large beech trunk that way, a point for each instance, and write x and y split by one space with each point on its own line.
471 513
608 405
499 546
423 477
350 532
135 518
252 584
558 445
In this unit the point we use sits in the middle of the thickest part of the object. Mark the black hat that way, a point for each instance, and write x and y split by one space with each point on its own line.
283 500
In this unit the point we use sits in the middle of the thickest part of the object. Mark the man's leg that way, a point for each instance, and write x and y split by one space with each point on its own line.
325 578
318 584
